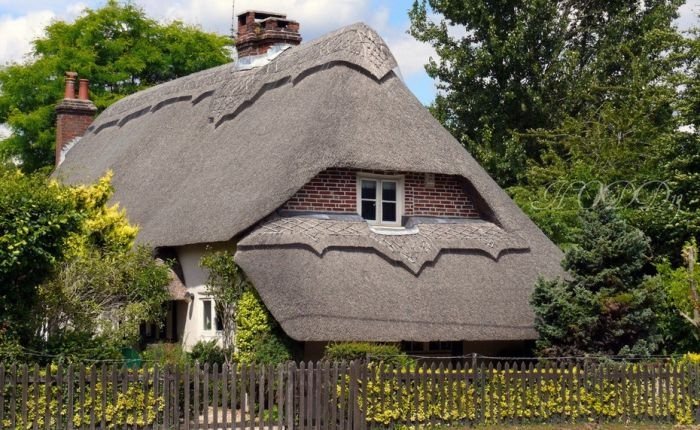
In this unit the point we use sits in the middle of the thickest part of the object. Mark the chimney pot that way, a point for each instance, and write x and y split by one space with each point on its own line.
73 116
83 90
258 31
70 85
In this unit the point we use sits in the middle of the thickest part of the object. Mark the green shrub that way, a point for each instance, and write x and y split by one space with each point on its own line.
272 349
367 351
258 337
82 347
208 352
10 350
165 354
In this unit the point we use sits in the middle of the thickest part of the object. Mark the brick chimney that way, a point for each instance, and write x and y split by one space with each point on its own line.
258 31
73 115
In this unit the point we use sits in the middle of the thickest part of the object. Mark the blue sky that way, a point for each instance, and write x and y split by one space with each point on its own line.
22 20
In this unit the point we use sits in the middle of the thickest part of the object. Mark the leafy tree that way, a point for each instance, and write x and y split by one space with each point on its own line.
681 321
616 154
71 281
506 68
118 48
226 284
629 142
499 75
258 337
605 307
105 287
37 219
683 283
673 225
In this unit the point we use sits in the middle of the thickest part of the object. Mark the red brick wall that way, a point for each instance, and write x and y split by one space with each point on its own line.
446 198
69 126
334 190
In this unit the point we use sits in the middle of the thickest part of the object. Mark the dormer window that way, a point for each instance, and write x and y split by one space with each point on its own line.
380 199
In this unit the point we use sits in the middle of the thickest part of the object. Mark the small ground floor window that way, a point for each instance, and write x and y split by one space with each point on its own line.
210 316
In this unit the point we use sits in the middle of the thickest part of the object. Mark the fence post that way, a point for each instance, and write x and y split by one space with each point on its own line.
694 378
2 392
289 401
47 395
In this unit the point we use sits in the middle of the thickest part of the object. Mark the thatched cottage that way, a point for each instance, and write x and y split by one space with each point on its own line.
355 214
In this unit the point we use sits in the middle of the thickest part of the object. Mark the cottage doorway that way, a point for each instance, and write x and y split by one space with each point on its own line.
171 328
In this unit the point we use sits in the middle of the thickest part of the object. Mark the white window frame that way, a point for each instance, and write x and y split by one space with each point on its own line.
213 328
204 316
399 179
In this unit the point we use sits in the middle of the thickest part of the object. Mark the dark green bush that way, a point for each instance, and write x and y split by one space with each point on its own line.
80 347
366 351
273 349
208 352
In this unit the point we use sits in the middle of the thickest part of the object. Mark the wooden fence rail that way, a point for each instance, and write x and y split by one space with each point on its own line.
343 396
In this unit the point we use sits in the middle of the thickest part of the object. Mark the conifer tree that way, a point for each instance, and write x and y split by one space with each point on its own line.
605 307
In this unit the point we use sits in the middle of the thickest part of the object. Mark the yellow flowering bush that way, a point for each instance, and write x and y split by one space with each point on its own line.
104 226
135 406
532 396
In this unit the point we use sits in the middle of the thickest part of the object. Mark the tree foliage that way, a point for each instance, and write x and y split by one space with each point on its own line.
226 284
72 282
605 307
105 287
37 219
258 337
573 104
118 48
682 285
506 68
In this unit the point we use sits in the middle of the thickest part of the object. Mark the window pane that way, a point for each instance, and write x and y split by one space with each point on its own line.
207 314
369 190
389 212
389 191
369 210
219 323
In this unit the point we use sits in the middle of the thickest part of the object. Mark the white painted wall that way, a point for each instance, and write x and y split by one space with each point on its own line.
195 281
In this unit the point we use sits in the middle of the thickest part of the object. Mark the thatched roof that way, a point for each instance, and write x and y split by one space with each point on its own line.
205 158
336 279
176 288
413 250
202 158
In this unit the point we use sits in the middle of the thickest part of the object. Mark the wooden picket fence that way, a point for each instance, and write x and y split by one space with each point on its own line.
345 396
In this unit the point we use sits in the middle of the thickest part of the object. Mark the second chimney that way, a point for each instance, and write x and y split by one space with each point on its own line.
73 115
258 31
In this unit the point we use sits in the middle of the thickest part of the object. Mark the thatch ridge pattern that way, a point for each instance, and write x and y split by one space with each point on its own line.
357 47
413 251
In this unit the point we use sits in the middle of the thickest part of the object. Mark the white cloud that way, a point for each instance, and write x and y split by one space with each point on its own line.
25 19
316 16
411 54
16 34
75 9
